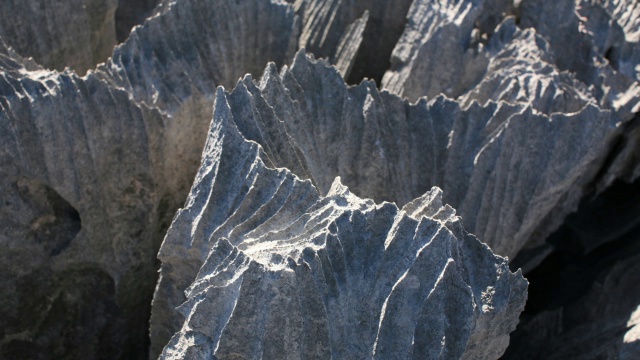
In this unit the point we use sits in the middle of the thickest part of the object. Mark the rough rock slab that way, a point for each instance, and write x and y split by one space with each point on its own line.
579 45
387 149
174 62
306 119
81 214
521 69
270 266
74 33
448 49
598 28
434 54
95 167
325 24
89 184
532 66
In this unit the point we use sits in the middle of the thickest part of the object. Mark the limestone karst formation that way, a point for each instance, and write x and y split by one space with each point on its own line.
315 179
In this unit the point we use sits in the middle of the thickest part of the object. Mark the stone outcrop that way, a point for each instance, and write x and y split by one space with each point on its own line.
307 120
152 93
521 69
436 54
81 214
95 171
606 36
376 142
173 64
74 33
524 114
319 136
449 49
325 27
277 268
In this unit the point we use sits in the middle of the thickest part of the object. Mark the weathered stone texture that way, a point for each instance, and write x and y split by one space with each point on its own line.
278 268
523 113
73 33
80 215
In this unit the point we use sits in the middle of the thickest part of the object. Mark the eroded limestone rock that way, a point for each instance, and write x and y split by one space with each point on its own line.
435 53
81 214
270 267
75 33
540 112
306 119
387 149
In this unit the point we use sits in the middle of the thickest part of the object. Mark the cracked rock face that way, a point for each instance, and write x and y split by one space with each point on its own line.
277 268
91 177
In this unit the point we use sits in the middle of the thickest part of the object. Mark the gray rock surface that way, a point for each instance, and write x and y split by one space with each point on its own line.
81 214
326 22
605 34
93 198
273 267
623 52
73 33
387 149
173 64
525 117
580 36
521 69
449 49
435 53
96 166
307 120
444 49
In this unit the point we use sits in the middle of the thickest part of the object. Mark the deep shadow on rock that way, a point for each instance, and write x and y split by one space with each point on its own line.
540 114
583 294
131 13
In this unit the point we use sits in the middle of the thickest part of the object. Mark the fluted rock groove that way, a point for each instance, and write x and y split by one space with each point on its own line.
277 268
316 226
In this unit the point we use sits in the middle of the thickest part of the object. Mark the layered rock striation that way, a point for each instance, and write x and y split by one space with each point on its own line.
277 268
388 149
78 33
522 113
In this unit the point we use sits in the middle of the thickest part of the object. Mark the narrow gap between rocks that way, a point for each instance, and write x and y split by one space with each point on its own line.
602 233
131 13
374 56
